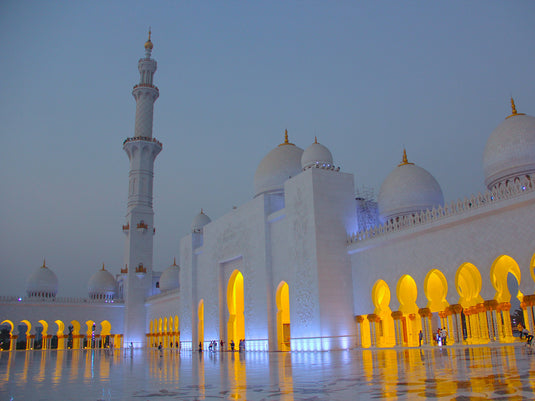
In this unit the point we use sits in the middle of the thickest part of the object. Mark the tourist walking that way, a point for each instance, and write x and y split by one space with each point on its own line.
420 338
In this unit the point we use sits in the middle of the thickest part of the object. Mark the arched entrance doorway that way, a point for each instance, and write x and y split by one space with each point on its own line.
283 316
235 304
200 326
436 290
407 292
505 275
468 283
385 330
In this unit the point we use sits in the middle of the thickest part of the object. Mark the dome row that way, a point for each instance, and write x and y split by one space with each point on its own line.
509 154
43 283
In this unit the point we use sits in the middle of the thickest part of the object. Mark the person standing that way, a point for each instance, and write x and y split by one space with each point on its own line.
420 338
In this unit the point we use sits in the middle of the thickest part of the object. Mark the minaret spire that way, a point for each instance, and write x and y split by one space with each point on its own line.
142 150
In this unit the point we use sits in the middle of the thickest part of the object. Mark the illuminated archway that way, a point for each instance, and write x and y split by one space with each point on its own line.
235 303
503 267
200 314
282 299
105 331
407 293
11 344
385 329
177 332
40 341
436 290
76 334
468 283
24 340
90 334
165 332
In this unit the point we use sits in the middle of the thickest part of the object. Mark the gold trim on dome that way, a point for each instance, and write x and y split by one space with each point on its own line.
404 161
286 142
513 110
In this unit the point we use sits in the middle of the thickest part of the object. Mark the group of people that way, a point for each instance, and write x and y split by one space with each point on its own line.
212 347
440 337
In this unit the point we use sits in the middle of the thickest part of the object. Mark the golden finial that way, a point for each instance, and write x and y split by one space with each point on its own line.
103 266
315 139
513 110
286 141
148 43
174 261
404 161
202 211
44 264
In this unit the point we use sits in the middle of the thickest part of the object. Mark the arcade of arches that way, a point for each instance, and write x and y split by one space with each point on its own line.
164 331
472 320
58 335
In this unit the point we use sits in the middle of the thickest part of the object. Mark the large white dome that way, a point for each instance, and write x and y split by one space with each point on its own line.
510 150
408 190
316 154
101 285
169 280
43 282
276 167
199 222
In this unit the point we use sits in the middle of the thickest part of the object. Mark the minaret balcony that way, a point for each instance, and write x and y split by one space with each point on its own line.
146 86
141 270
125 270
142 227
142 138
126 228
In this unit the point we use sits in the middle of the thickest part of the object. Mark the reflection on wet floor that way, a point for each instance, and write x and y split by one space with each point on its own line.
449 373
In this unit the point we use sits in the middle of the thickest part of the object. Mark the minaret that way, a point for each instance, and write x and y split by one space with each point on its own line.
142 150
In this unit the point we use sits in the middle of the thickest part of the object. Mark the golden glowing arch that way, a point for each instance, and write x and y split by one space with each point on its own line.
282 299
436 290
235 304
502 266
200 314
468 283
10 324
385 328
532 267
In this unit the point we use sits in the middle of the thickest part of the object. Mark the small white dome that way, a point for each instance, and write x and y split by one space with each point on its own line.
101 285
408 190
169 280
276 167
316 154
510 150
43 282
199 222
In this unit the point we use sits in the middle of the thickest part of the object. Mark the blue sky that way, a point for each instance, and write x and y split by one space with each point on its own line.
366 78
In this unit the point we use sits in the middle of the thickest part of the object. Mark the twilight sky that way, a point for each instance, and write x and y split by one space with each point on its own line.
366 78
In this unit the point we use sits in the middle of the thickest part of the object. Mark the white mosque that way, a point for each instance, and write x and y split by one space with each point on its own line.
306 264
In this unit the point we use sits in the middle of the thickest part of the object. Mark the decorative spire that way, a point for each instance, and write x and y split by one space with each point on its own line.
513 110
44 264
103 266
174 261
404 161
148 46
202 211
315 139
286 141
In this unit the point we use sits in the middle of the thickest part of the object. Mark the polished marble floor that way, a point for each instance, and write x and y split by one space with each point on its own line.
448 373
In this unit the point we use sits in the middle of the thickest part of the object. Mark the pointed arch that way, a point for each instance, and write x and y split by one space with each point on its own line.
407 293
235 304
385 329
200 314
436 290
501 268
468 283
282 299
